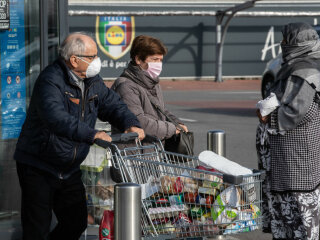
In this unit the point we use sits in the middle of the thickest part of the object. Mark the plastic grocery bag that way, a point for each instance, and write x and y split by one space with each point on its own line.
225 208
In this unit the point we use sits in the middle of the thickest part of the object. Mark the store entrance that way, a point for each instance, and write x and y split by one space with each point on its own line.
27 44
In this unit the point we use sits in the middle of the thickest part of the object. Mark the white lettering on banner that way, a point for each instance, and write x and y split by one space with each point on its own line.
3 4
270 45
114 64
3 16
116 18
121 64
104 64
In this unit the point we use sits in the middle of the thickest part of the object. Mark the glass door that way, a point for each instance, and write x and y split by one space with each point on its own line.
32 40
19 53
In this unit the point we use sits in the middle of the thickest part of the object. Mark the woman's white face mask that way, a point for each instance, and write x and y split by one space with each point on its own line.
154 69
94 67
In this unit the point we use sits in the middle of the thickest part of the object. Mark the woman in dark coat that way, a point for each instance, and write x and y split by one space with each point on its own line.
138 86
288 140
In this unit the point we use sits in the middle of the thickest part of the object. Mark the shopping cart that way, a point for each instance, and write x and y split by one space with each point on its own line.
183 199
97 172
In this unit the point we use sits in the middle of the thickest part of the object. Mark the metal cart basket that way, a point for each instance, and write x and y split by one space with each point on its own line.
183 199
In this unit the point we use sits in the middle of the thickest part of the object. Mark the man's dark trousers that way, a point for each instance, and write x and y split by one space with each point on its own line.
42 193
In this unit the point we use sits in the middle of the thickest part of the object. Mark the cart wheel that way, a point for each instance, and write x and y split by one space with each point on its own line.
115 175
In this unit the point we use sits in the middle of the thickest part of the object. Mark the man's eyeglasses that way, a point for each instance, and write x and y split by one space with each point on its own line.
89 57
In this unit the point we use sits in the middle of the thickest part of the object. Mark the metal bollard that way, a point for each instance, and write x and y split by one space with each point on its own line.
127 211
216 142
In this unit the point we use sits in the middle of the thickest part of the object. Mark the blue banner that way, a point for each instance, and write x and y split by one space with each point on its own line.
13 73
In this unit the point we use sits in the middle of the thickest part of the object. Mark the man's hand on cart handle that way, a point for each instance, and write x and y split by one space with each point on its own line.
140 132
102 135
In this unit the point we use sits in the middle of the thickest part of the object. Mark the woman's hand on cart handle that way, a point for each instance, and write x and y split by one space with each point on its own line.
140 132
124 137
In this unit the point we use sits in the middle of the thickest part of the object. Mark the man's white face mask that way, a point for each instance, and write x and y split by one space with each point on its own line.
93 68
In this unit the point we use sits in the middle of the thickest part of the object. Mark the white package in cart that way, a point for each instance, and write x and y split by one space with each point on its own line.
224 165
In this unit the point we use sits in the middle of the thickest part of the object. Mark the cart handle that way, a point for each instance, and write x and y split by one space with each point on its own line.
123 138
116 138
150 138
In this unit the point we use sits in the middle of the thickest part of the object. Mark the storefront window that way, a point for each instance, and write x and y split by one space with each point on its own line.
32 44
20 65
19 68
53 33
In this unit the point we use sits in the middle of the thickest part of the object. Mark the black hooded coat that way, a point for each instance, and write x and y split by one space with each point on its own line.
295 156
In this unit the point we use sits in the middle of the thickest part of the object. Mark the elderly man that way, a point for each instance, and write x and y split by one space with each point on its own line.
68 97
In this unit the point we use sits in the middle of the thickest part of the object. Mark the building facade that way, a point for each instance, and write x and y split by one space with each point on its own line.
251 40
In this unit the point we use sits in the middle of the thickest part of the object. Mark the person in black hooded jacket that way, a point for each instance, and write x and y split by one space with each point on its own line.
288 140
67 99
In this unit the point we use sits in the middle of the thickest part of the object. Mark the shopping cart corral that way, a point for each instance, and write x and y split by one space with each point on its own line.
181 199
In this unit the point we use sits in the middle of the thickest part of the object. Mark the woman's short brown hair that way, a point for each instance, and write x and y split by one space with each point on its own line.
144 46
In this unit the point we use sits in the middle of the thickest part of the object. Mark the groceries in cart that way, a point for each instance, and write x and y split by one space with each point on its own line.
199 197
195 199
193 206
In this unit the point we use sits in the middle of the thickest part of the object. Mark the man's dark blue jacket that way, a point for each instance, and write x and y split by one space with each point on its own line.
59 127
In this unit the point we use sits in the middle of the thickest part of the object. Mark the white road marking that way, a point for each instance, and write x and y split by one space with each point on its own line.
188 120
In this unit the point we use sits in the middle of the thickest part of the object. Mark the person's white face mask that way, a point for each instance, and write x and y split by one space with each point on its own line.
94 67
154 69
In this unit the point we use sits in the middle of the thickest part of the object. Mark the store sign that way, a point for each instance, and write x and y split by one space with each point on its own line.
4 15
114 35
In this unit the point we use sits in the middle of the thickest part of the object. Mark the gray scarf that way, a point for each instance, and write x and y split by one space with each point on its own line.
140 77
299 71
300 50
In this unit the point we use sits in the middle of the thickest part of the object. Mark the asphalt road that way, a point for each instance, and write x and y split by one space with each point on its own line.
231 111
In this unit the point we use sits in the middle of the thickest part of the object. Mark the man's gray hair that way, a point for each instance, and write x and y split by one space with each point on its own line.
72 45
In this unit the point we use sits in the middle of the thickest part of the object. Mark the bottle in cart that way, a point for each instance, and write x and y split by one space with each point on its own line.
106 228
